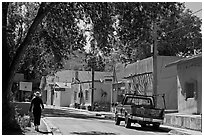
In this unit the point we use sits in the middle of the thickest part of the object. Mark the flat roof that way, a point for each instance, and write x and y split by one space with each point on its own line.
198 56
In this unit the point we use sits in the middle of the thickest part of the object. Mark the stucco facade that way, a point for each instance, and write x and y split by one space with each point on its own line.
166 78
190 72
80 91
62 94
102 93
140 75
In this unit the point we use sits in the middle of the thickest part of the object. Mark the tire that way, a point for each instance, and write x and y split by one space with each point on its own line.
127 122
117 120
156 126
143 125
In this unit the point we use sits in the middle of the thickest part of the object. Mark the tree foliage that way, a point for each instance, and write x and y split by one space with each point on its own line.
125 27
181 36
55 39
134 29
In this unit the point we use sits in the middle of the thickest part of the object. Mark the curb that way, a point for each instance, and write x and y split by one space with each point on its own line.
173 130
48 128
51 128
181 131
104 116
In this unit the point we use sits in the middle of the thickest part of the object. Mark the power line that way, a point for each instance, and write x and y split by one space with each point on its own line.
178 28
184 25
197 11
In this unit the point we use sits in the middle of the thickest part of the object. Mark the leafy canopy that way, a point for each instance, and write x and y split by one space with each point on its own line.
123 28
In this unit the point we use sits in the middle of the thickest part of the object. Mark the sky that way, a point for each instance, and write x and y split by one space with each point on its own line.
195 6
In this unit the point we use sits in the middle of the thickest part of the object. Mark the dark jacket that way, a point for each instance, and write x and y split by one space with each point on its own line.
36 104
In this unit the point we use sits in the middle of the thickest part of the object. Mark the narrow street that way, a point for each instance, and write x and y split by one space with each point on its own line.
80 126
78 123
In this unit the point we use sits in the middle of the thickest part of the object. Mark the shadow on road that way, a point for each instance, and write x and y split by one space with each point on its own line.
149 128
93 133
44 132
65 113
68 115
166 130
13 132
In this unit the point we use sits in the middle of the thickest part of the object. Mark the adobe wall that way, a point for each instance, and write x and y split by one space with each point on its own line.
167 84
106 87
188 72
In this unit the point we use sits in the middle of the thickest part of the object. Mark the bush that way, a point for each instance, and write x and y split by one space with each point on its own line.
24 121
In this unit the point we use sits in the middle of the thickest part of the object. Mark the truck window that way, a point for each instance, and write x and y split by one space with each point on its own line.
137 101
128 101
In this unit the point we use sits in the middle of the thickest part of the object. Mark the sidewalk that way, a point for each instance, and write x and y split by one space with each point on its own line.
43 129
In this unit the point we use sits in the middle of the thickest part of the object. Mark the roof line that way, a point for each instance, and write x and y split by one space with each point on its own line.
137 75
184 60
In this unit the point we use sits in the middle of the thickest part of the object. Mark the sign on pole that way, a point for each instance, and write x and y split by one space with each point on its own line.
26 86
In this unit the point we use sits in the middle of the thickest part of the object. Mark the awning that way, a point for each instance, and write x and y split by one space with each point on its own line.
130 75
63 85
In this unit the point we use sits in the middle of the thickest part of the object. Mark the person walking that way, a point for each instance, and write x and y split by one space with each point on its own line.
36 107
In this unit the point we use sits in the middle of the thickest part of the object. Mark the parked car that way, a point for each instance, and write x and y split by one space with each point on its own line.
139 109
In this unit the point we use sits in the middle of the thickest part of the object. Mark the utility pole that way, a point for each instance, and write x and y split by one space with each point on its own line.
93 63
92 89
155 28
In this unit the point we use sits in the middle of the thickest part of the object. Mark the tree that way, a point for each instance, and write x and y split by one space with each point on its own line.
55 39
181 36
42 36
97 62
11 66
127 27
134 28
98 20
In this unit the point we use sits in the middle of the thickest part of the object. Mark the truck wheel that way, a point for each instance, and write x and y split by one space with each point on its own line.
127 122
143 125
156 126
117 120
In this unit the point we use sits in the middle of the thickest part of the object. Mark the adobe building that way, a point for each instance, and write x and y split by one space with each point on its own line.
138 77
189 84
69 88
82 90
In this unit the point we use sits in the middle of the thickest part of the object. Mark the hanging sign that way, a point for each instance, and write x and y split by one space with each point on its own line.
26 86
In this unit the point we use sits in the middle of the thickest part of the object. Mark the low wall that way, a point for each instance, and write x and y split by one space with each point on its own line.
193 122
22 107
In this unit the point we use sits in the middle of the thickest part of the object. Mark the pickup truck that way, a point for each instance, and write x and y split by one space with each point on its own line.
139 109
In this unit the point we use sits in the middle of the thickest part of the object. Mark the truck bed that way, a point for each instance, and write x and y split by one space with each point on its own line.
154 113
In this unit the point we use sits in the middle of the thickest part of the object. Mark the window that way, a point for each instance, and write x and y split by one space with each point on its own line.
137 101
80 95
190 89
87 95
75 95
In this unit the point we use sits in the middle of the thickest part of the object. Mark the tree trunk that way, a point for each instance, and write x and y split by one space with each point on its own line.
6 111
10 70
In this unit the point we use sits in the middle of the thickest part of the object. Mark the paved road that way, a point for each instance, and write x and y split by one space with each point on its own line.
68 121
91 126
